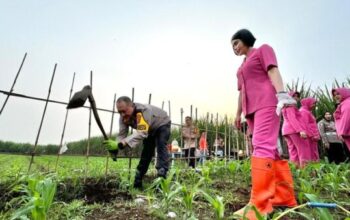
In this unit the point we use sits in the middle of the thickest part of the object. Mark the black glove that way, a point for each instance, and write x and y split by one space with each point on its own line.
114 154
121 146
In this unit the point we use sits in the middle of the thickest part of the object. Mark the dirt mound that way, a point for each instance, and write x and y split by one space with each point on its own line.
121 211
92 190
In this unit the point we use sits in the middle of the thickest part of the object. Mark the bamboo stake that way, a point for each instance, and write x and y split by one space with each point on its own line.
110 132
132 99
244 138
196 140
216 135
191 111
229 140
156 153
89 138
42 120
225 140
181 126
14 82
64 124
206 133
169 109
237 147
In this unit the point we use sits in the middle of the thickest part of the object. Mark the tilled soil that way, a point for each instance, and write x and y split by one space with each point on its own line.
121 211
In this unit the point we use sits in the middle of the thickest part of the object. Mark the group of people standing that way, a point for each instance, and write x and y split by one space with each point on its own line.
262 99
302 133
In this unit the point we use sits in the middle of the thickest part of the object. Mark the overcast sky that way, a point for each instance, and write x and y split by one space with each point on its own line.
176 50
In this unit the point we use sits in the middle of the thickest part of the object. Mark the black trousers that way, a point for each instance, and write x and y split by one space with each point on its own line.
157 140
189 152
347 152
336 153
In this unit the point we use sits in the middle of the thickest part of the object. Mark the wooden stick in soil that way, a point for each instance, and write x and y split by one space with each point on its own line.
229 140
206 133
13 84
191 111
156 153
216 135
89 138
132 99
42 120
181 126
64 125
244 146
110 132
196 139
225 141
237 142
169 106
211 146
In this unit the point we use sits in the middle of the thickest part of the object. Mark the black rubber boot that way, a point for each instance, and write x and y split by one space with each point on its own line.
161 173
138 181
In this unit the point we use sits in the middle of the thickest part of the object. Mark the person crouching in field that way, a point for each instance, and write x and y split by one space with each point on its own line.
342 114
261 91
294 132
152 126
307 105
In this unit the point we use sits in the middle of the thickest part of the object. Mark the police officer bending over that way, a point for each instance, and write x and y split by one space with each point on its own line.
152 126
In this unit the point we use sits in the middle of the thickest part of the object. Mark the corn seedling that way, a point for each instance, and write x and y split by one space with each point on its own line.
38 199
189 194
167 188
217 204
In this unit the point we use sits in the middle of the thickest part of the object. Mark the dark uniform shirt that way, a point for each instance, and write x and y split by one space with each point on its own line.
146 119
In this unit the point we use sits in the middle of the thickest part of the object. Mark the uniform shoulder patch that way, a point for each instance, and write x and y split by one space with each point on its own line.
142 125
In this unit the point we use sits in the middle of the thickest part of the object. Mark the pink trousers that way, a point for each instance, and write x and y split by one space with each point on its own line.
264 125
298 148
314 150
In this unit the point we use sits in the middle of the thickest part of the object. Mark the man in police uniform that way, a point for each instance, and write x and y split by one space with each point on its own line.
152 126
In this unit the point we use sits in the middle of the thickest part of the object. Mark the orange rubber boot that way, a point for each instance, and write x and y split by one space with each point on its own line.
263 187
284 191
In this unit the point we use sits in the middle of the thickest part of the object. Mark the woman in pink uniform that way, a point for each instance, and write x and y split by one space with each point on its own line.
260 92
293 130
342 114
307 105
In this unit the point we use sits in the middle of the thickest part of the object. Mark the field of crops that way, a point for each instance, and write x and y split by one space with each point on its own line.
213 191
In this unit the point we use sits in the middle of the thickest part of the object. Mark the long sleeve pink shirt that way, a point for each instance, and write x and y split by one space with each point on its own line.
254 83
342 113
292 121
308 118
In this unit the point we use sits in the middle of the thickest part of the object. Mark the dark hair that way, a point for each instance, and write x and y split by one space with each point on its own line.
125 99
245 36
297 93
327 112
